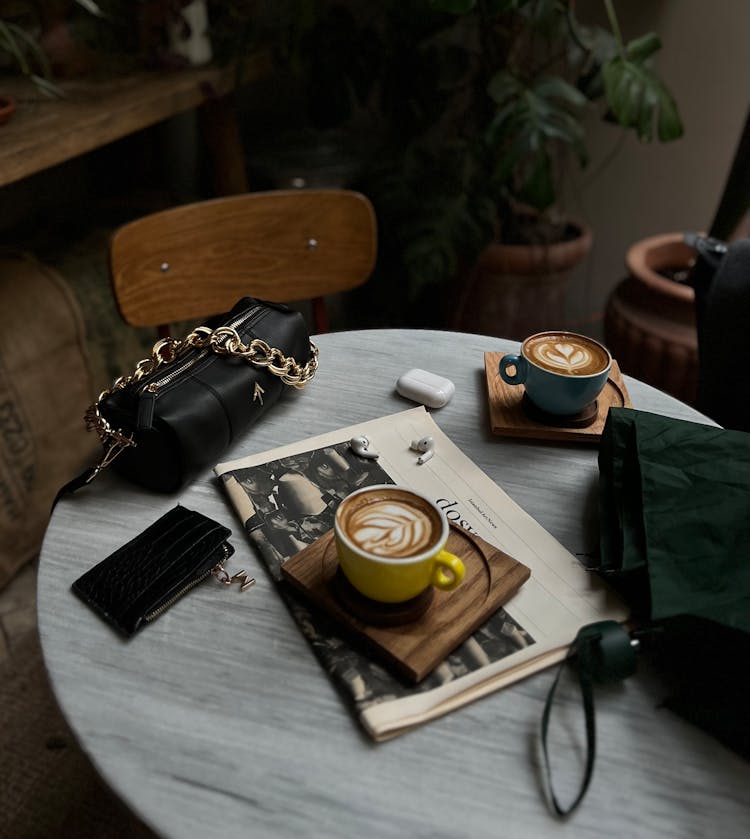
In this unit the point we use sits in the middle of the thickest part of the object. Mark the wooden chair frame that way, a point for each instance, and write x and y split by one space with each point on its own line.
198 259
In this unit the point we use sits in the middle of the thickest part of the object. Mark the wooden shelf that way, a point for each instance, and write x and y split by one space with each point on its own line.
44 132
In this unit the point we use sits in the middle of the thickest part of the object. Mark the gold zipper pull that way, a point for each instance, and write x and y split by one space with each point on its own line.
241 578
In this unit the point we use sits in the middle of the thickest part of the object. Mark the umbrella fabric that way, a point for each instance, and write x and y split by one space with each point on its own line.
675 514
675 541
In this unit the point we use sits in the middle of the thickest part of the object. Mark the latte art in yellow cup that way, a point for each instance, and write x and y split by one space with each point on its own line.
390 543
389 527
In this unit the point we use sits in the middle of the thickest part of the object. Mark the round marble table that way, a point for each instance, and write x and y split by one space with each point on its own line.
217 720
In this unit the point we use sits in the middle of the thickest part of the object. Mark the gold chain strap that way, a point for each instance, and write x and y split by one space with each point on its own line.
226 341
223 341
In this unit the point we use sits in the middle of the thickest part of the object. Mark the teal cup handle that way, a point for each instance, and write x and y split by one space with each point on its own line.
517 361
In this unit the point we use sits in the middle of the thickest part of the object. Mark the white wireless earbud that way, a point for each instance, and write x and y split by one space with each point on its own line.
425 445
361 446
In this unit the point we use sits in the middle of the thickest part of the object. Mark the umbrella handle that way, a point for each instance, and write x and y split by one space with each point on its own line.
605 653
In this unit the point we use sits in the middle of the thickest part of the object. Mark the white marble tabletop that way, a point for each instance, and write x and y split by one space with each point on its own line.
218 721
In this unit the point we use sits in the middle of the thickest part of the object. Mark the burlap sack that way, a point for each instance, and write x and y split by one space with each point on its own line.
45 387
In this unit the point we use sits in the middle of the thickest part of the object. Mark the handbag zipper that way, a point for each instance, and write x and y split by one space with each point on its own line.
152 387
214 569
150 390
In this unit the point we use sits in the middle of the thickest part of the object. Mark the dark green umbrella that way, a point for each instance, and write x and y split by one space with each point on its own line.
675 541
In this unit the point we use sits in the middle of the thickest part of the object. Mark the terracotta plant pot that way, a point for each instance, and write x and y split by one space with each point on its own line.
649 323
516 290
7 108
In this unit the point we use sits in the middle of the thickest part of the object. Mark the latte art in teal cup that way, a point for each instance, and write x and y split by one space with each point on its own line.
562 372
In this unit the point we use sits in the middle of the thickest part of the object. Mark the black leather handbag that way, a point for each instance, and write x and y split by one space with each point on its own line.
185 405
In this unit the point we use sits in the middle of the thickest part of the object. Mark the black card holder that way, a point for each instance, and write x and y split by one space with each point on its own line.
144 577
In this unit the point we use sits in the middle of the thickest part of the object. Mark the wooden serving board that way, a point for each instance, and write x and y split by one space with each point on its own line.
414 649
507 416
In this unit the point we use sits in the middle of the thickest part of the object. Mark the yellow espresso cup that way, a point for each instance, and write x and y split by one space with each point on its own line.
390 542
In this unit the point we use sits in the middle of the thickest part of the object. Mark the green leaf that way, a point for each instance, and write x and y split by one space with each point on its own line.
47 87
669 124
503 123
568 130
91 6
639 49
557 89
506 163
20 43
538 188
9 42
504 86
639 100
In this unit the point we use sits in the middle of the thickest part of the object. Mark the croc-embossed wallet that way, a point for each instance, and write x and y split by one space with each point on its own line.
144 577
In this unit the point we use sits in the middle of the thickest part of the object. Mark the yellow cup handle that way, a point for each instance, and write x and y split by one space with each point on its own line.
448 571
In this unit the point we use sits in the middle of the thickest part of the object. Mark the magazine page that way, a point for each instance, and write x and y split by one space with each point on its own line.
286 498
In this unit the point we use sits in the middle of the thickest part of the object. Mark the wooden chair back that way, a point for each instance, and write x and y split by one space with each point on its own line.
197 260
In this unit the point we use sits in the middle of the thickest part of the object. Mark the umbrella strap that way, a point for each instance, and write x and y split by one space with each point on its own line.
604 653
587 694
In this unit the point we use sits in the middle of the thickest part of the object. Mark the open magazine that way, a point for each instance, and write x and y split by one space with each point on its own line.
286 498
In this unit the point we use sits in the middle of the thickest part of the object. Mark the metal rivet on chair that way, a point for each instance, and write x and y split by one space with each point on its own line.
312 244
164 267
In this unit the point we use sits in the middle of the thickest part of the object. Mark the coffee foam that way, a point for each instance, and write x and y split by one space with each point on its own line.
391 524
570 355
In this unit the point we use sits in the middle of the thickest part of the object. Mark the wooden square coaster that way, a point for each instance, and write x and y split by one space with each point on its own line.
414 649
507 416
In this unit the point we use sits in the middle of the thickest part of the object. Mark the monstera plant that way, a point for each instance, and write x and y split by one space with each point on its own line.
516 82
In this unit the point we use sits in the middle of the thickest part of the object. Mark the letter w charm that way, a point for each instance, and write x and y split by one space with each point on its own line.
258 393
244 580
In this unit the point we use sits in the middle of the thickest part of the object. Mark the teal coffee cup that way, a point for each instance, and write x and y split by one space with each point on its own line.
563 372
